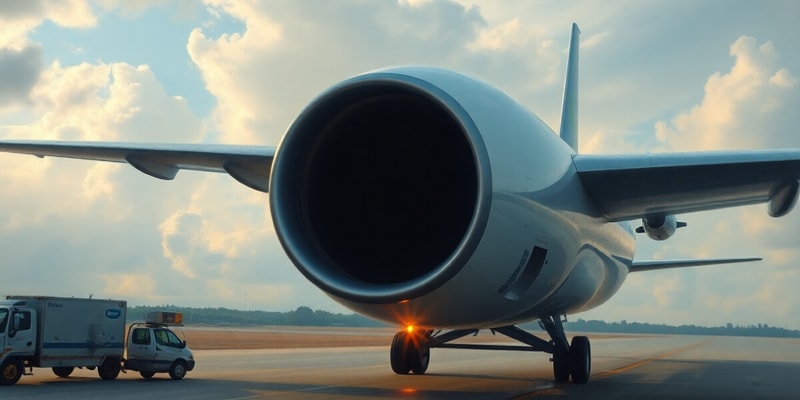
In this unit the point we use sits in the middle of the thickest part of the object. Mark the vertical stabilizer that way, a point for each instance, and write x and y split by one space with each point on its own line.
569 109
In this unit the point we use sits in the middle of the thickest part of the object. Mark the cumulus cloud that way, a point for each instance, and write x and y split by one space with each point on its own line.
318 44
109 102
181 233
748 107
18 18
502 36
19 71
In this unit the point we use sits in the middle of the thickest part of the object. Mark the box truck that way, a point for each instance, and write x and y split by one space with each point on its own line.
67 333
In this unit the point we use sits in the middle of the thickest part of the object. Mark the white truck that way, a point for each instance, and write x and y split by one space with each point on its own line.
67 333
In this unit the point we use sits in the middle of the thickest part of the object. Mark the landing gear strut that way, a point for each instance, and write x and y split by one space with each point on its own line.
410 351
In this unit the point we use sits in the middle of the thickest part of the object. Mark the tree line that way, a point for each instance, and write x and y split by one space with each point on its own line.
305 316
302 316
760 330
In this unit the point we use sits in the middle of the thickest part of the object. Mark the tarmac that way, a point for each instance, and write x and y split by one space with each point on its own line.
623 367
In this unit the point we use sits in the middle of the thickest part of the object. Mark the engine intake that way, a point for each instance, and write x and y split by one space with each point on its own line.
374 189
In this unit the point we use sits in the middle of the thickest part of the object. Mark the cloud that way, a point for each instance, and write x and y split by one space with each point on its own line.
748 107
319 44
127 285
19 71
502 36
108 102
18 18
181 233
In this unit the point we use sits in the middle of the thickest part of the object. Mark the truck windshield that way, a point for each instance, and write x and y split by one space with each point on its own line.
3 319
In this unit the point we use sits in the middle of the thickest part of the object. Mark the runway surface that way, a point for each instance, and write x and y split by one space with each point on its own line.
652 367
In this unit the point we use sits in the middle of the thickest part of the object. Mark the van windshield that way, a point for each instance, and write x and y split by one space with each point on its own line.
166 337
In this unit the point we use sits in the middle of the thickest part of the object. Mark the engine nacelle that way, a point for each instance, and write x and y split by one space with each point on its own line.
410 195
660 227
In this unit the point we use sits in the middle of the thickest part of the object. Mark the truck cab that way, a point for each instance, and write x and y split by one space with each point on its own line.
17 341
152 347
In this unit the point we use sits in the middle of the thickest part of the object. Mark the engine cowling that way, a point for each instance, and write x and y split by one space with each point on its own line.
660 227
407 195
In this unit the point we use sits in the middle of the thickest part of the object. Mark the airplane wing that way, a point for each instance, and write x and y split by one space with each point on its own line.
649 265
627 187
250 165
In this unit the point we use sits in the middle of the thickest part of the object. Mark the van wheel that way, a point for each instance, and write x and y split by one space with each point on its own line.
109 369
10 371
63 372
178 370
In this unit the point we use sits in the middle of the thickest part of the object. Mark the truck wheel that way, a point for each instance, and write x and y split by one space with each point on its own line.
63 372
178 370
10 371
146 374
109 369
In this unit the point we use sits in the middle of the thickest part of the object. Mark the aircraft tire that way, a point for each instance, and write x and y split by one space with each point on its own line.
146 374
580 359
421 356
561 366
399 354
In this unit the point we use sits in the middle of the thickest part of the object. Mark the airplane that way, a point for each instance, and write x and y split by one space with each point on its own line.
425 198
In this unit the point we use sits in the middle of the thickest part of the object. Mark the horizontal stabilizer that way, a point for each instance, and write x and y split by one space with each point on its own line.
650 265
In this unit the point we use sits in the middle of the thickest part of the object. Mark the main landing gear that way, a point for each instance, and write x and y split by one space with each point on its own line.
410 351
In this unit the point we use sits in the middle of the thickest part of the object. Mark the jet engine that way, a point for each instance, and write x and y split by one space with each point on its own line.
660 227
415 187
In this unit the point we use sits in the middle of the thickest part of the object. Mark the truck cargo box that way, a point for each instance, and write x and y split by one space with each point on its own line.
74 331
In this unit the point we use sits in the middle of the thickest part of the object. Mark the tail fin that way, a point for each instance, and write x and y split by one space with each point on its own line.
569 108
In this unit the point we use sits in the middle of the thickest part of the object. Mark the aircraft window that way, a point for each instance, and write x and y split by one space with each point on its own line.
141 336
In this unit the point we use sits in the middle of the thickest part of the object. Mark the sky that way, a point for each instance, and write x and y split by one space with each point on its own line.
656 76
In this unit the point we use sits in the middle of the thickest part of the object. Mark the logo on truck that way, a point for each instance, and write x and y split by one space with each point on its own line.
113 313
